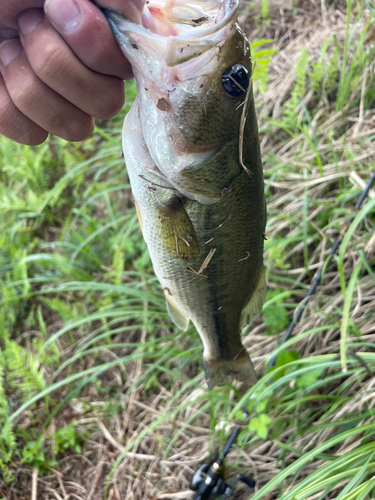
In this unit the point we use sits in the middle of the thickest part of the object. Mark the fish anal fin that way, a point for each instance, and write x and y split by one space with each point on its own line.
241 368
253 308
178 318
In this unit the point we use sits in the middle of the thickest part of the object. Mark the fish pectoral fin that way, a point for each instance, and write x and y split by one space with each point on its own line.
176 231
158 176
196 187
253 308
178 318
204 196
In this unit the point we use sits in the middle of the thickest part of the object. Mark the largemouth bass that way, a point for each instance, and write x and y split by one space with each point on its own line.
191 148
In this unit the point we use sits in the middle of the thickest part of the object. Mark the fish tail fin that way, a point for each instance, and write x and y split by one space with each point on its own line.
241 368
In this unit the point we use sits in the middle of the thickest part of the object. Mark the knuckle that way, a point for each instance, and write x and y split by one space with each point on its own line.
34 137
93 58
26 94
78 130
111 102
23 94
4 112
48 62
21 130
15 126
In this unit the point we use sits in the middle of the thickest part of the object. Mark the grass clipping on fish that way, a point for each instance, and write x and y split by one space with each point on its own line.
138 421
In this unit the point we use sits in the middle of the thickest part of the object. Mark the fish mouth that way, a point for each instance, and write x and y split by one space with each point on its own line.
183 30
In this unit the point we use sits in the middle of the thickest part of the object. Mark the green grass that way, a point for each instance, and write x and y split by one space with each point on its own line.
91 368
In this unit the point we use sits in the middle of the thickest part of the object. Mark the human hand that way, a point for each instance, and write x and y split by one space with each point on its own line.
59 69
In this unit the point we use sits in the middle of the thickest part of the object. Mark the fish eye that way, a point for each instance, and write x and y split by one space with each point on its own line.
235 80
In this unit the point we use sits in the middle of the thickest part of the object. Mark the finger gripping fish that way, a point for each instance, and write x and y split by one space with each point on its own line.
191 147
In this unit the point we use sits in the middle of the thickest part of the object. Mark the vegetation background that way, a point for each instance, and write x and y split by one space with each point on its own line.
100 396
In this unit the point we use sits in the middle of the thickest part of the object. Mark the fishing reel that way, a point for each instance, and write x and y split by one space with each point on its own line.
209 482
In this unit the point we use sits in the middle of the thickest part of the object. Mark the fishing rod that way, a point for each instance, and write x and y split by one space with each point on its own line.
209 480
301 307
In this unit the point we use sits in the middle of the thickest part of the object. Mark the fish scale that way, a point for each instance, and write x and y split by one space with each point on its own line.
197 185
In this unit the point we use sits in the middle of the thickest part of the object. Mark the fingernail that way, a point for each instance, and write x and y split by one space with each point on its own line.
9 50
65 15
29 20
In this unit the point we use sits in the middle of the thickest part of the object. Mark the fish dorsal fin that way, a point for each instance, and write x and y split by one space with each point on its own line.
254 306
178 318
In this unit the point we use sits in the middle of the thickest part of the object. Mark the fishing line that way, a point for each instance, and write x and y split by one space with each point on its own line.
301 307
208 481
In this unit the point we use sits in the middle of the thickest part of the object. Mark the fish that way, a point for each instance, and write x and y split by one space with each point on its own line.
192 152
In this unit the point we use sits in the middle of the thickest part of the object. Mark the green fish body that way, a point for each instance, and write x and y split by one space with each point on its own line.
193 158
